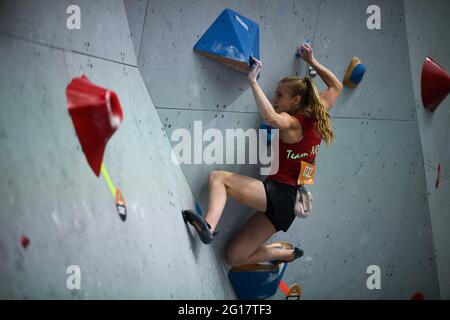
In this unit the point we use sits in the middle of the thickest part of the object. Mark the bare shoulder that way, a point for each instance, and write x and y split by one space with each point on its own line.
284 121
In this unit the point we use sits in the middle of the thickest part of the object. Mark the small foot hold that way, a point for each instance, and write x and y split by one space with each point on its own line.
298 253
295 292
199 223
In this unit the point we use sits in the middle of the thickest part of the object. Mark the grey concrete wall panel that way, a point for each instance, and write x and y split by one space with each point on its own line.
427 25
160 191
195 82
69 214
385 91
197 174
104 29
370 208
33 124
136 16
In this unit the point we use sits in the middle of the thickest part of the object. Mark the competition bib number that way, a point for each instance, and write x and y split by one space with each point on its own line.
306 173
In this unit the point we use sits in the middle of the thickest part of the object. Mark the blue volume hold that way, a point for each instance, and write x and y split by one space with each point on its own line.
358 73
231 39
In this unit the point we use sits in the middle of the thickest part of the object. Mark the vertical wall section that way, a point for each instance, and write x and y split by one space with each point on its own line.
51 196
374 201
427 28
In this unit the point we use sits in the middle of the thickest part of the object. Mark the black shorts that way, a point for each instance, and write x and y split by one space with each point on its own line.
280 203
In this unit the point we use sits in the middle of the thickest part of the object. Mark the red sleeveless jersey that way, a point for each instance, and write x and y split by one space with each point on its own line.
291 154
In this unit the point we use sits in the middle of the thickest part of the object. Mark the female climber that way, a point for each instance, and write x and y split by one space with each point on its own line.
301 115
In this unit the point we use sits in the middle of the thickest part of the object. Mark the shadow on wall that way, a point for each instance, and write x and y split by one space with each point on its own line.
345 96
218 80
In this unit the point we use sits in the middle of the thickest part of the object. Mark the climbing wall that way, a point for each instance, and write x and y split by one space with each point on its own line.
49 194
427 27
371 203
199 89
374 190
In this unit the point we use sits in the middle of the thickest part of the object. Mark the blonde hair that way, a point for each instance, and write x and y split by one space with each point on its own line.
307 90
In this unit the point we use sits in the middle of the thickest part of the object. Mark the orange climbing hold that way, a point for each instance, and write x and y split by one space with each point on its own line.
120 205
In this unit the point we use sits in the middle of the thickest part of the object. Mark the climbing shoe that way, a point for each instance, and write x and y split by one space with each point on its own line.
199 223
297 254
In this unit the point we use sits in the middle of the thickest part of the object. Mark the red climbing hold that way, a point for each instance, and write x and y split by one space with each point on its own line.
438 176
418 296
284 287
24 241
96 114
435 84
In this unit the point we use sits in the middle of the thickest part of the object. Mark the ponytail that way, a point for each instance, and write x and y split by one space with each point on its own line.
324 125
307 90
